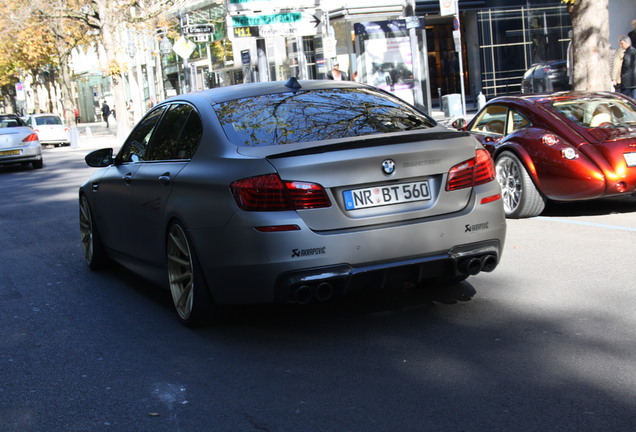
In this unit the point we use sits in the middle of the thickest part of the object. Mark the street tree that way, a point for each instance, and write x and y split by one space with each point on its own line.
590 44
115 20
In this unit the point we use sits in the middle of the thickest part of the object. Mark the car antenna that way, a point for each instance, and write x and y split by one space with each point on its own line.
293 83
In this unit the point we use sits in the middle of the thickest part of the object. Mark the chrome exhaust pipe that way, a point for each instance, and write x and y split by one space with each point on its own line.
303 294
324 291
489 262
472 266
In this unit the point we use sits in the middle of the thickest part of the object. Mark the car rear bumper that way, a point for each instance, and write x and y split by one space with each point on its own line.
24 154
323 283
242 265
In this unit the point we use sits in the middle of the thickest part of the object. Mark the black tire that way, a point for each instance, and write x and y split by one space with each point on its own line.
521 198
92 245
37 164
190 294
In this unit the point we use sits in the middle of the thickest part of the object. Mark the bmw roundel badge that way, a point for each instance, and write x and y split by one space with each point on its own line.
388 166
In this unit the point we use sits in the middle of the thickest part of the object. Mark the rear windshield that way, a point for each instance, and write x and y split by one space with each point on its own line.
48 120
315 115
598 112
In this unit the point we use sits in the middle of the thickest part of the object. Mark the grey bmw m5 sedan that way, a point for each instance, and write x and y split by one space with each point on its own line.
290 191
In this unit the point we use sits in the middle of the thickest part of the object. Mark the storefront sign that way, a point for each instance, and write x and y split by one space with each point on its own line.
447 7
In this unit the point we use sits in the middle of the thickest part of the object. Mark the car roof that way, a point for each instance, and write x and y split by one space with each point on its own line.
240 91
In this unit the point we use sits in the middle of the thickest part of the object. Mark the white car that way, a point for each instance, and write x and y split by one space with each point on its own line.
50 129
18 143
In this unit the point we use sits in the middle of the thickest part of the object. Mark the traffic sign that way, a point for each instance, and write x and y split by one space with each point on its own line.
198 29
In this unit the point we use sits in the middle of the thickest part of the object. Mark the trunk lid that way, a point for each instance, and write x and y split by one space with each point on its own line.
361 193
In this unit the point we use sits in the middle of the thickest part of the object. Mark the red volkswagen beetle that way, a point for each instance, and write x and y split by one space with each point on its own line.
564 147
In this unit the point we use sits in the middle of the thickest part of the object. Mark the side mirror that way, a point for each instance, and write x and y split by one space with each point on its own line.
459 124
100 158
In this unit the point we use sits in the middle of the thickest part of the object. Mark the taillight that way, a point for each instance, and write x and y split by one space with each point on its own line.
473 172
31 137
270 193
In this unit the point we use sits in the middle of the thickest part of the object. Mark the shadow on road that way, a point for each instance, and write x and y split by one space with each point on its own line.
603 206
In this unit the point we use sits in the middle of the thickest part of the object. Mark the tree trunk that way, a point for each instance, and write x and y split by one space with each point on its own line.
110 30
590 45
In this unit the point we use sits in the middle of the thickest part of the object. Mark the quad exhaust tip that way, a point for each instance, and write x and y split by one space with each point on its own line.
304 294
475 265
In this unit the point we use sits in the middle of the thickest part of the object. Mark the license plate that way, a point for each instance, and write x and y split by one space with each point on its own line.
630 158
9 152
386 195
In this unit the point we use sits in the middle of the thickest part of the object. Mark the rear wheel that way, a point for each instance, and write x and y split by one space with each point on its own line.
92 246
190 294
520 196
37 164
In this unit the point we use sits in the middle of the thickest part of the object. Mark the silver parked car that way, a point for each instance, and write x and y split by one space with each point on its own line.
50 128
19 144
290 192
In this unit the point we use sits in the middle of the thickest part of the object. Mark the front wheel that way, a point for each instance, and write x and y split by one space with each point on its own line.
520 196
190 294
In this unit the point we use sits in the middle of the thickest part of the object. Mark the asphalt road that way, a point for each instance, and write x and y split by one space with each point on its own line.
544 343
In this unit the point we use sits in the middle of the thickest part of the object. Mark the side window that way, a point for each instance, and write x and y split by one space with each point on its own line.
190 136
518 121
492 120
134 149
178 134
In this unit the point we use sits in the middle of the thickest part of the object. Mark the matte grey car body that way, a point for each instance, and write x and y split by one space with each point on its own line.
290 192
19 144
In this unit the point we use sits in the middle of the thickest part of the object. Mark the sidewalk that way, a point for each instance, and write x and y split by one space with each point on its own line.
96 135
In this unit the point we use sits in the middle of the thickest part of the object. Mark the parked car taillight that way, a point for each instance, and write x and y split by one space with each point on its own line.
473 172
30 138
270 193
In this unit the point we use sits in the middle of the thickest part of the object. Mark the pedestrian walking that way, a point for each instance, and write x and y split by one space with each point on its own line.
105 112
617 63
337 74
628 68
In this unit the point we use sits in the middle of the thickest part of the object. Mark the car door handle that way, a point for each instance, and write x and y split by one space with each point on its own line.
164 179
127 178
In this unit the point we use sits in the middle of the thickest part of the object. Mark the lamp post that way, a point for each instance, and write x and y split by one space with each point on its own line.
165 48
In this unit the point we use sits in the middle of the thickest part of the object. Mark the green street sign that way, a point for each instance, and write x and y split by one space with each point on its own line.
259 20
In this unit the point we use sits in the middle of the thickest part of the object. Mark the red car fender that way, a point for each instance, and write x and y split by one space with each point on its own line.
523 156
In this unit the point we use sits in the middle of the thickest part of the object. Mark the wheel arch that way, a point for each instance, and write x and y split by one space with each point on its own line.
524 157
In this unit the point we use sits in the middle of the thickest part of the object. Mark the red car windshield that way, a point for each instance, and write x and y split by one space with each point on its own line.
598 112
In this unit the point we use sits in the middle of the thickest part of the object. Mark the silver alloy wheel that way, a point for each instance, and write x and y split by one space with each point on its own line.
180 271
510 179
86 231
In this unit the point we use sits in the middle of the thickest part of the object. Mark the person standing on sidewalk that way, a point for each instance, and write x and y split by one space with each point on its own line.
628 69
105 112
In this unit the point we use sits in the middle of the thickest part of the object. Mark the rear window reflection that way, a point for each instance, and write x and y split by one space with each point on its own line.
315 115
